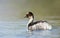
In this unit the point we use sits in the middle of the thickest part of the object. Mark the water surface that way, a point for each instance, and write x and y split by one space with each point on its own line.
12 11
18 29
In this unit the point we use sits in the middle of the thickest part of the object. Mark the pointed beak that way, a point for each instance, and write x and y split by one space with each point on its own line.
24 16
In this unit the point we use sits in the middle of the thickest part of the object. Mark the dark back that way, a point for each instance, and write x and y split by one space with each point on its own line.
32 23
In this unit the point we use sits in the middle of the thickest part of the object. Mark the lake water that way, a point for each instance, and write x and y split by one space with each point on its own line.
11 27
18 29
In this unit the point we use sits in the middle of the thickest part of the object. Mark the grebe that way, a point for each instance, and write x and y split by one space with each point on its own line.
38 25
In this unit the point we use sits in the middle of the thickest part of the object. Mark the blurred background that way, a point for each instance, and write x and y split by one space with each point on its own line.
42 9
13 24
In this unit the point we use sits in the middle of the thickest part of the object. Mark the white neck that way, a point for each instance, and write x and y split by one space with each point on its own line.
30 20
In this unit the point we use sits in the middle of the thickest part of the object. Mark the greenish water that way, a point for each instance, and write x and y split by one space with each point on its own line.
13 23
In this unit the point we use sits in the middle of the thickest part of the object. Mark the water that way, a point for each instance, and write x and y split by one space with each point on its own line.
11 27
18 29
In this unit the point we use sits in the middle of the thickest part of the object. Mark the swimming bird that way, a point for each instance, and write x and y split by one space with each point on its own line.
38 25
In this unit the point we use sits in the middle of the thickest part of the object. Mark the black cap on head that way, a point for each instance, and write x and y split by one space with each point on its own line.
29 14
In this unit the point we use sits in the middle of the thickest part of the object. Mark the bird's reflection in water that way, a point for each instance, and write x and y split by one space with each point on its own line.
39 34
